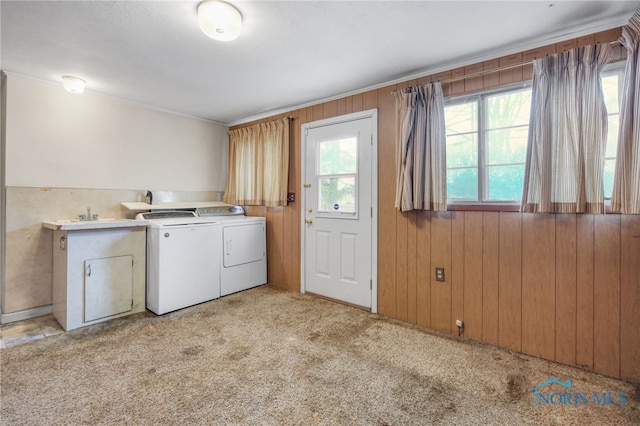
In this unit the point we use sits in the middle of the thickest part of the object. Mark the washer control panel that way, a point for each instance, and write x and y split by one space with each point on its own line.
220 211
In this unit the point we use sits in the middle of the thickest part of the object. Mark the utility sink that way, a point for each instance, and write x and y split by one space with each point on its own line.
105 223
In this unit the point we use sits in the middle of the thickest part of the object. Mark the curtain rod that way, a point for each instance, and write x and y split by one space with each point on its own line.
499 69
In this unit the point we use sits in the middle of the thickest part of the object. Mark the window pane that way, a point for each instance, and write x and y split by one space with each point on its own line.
510 109
462 150
507 145
338 156
462 184
610 91
609 170
337 194
612 136
461 118
504 183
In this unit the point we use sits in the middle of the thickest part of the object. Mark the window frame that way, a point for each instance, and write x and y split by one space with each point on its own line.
611 69
617 67
329 214
480 98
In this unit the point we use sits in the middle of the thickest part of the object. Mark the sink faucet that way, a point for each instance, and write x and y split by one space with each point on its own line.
88 216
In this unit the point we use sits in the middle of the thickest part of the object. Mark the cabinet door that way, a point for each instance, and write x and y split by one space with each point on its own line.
107 286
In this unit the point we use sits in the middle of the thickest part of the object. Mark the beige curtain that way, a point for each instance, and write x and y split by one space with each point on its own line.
259 165
626 184
421 182
567 133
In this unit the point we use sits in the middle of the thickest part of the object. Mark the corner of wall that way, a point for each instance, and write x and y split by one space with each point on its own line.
3 215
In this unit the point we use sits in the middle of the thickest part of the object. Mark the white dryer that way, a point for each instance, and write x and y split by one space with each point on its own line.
244 248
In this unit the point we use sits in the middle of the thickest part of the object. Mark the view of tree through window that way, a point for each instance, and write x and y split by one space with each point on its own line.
462 150
610 88
337 173
506 144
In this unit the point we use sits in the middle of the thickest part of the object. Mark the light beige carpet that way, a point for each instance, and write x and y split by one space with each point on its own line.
269 357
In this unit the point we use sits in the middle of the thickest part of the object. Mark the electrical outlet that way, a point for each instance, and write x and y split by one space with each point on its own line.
291 197
440 274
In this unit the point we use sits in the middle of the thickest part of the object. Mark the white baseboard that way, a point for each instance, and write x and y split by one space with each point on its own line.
26 314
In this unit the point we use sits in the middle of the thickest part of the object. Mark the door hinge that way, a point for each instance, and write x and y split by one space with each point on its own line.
371 211
371 139
306 131
370 284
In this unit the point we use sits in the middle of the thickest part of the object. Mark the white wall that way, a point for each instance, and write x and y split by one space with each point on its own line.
65 152
59 139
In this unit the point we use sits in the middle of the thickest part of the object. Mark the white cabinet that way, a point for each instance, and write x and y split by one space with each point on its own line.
98 274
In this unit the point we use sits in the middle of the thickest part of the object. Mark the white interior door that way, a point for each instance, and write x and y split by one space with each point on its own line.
338 223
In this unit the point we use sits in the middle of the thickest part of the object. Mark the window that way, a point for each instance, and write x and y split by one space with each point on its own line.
611 87
487 146
487 142
337 173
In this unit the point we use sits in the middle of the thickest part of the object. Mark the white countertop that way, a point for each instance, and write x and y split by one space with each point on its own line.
79 225
139 206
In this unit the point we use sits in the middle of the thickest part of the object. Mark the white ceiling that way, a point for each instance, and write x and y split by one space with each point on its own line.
289 54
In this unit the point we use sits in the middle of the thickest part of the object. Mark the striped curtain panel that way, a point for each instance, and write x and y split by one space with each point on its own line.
420 149
626 184
259 165
567 133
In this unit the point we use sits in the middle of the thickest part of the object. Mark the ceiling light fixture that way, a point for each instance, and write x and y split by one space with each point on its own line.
73 84
219 20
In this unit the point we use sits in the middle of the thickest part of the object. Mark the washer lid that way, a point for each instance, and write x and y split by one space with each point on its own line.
166 214
174 218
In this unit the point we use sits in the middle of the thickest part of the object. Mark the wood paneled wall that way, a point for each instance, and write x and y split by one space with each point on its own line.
562 287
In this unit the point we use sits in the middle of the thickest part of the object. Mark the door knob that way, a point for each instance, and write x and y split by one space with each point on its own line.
309 210
308 221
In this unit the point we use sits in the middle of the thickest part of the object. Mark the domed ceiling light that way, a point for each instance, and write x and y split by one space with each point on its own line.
219 20
73 84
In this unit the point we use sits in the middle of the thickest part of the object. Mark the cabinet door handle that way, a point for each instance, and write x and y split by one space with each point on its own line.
63 242
89 270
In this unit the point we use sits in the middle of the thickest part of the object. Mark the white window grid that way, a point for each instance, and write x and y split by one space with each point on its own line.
482 167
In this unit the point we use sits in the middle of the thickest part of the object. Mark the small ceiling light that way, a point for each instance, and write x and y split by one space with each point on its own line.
73 84
219 20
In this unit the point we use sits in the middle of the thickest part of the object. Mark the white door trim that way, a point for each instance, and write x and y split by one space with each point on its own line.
373 114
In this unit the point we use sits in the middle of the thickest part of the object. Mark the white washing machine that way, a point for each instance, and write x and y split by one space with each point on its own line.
183 259
244 248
